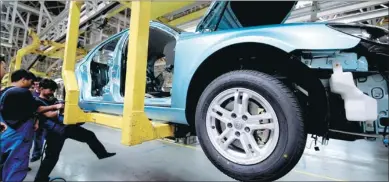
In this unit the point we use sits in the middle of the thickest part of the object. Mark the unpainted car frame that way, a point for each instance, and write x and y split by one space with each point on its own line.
252 88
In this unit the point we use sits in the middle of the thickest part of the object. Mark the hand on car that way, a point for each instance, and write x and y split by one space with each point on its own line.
3 127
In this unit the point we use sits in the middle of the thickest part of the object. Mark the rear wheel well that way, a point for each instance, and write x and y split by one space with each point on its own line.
270 60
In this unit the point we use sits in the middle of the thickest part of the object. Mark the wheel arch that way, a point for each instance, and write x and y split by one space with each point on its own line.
255 56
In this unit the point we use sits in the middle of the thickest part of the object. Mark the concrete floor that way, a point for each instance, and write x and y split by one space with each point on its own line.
164 161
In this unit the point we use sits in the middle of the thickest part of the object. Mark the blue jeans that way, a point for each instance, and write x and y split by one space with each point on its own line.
39 139
15 145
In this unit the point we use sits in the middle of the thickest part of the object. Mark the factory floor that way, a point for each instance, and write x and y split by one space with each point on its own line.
164 161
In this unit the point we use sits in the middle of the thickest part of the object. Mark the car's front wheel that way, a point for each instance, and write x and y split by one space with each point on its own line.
250 126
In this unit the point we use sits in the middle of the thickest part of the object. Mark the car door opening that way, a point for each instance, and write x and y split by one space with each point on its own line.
160 64
100 67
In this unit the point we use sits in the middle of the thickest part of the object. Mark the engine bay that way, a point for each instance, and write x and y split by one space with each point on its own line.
370 76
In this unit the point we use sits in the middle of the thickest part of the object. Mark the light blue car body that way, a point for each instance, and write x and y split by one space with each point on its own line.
192 49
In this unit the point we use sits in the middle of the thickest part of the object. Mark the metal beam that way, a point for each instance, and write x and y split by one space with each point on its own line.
4 44
26 30
11 31
53 65
159 8
22 20
45 9
57 19
326 5
59 35
331 8
362 16
10 23
40 20
24 7
187 18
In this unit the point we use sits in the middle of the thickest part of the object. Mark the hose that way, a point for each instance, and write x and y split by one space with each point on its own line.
57 178
43 151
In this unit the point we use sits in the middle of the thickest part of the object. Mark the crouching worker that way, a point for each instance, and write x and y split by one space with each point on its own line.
17 111
57 132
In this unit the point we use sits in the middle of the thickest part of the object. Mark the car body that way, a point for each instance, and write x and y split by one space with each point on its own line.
337 79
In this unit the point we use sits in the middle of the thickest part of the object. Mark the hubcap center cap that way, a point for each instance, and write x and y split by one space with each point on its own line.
238 125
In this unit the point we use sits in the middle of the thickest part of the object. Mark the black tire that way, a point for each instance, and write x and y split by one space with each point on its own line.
292 138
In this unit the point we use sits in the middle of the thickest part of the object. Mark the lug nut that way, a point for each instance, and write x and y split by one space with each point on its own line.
229 125
244 117
237 134
247 129
233 115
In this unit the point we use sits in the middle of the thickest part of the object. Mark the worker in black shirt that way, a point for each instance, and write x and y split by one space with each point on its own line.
17 108
39 136
57 133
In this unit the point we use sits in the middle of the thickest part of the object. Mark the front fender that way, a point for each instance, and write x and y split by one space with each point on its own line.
193 49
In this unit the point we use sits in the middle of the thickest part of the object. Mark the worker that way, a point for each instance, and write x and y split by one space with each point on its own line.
35 87
39 135
57 132
17 110
3 71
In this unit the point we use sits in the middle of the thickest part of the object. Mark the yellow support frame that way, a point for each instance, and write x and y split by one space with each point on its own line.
135 125
73 114
160 8
53 52
16 62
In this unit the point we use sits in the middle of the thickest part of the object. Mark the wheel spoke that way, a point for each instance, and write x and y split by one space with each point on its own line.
255 149
225 133
227 142
225 114
245 103
244 140
236 102
269 126
241 106
254 119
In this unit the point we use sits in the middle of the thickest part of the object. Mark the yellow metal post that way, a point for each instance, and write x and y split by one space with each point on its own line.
73 114
136 127
16 63
26 50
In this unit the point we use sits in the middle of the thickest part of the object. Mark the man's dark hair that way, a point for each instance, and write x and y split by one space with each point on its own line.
20 74
38 79
2 59
48 84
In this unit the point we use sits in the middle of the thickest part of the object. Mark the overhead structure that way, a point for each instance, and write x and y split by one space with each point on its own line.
49 19
56 51
371 12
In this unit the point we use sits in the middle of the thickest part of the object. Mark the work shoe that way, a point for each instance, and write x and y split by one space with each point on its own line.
33 159
108 154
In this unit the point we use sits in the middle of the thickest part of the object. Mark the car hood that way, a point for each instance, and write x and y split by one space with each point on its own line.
223 15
